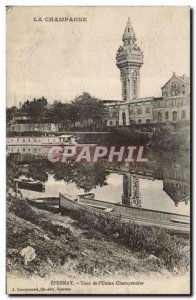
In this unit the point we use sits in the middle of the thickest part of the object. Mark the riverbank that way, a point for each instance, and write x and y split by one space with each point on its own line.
63 244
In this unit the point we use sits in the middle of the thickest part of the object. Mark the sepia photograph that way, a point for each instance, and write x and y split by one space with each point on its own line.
98 116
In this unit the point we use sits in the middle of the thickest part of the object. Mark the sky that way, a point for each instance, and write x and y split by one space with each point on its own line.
60 60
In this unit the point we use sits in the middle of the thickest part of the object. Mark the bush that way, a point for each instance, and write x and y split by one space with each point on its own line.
171 138
23 210
146 240
127 136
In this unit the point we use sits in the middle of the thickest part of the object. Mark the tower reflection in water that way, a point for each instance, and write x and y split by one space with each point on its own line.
131 195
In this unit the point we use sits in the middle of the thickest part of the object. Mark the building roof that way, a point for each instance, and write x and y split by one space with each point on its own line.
110 101
182 78
129 33
136 101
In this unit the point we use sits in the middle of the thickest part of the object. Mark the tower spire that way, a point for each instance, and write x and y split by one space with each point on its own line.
129 59
129 35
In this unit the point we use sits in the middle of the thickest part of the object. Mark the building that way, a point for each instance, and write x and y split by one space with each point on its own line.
172 106
31 127
21 122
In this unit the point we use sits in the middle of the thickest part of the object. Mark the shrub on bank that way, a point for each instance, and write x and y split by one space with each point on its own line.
123 136
23 210
146 240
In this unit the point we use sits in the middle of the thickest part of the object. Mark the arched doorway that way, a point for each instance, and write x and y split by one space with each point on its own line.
174 116
166 115
124 118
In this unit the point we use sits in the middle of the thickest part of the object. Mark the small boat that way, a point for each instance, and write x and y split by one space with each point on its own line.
126 213
31 185
176 220
88 195
44 202
67 139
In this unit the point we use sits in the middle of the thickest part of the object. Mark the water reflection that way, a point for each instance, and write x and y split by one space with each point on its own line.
161 184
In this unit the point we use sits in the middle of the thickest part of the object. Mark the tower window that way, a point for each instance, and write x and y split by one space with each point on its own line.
159 116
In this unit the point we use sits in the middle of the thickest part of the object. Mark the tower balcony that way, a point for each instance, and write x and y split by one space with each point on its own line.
129 59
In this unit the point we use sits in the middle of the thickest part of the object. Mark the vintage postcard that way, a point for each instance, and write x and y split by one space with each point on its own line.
98 150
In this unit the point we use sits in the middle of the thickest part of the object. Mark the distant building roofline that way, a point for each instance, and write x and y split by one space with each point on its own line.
182 78
110 101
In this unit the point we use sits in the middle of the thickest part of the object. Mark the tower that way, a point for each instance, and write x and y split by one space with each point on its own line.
129 59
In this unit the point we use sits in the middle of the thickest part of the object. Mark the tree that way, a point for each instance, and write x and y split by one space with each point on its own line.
91 110
10 113
36 109
73 113
58 112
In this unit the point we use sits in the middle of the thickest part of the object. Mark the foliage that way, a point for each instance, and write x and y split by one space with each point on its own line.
83 110
64 114
123 136
86 176
36 109
10 113
21 209
170 138
27 227
89 108
146 240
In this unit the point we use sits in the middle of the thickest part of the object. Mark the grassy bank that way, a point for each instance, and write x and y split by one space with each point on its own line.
62 247
95 244
171 250
53 243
